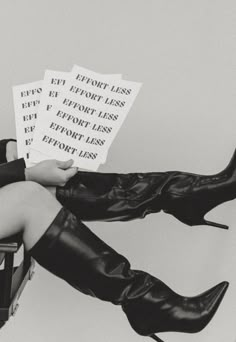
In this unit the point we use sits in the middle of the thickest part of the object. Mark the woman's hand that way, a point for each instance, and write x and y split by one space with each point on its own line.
48 172
51 172
11 151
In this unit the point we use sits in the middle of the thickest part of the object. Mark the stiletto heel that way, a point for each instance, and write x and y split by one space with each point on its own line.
214 224
156 338
189 197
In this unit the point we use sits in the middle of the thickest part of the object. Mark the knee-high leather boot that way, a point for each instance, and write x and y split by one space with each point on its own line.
72 252
122 197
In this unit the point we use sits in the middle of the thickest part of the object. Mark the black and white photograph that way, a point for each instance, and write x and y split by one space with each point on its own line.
118 171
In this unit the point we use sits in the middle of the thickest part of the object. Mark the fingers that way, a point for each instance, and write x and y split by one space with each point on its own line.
65 164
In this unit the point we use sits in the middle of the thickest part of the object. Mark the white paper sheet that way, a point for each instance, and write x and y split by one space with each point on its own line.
53 84
26 101
88 115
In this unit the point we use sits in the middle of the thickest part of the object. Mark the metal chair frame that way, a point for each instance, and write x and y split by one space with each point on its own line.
12 278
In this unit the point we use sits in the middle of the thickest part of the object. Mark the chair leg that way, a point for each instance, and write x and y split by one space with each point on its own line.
29 263
8 268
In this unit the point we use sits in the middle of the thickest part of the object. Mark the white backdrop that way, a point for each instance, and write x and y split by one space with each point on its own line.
183 119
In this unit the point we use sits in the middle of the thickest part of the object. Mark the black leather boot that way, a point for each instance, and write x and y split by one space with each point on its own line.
122 197
72 252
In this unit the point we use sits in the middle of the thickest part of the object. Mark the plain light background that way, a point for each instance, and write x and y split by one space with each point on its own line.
183 119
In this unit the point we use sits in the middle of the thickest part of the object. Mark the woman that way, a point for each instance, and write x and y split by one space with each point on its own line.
63 245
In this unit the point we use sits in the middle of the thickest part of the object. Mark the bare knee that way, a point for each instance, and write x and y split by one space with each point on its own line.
27 207
39 210
36 197
23 194
24 188
17 201
32 192
28 198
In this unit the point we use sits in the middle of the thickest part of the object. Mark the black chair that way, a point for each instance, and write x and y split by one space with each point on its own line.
12 278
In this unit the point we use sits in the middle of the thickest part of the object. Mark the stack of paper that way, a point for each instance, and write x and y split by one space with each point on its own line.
73 115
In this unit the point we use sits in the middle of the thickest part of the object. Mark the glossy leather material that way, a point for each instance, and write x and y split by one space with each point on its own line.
189 196
123 197
71 251
113 196
163 310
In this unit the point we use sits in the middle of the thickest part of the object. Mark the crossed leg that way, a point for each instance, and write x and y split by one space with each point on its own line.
79 257
26 207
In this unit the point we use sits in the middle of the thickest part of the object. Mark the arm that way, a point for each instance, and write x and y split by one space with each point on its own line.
12 172
48 173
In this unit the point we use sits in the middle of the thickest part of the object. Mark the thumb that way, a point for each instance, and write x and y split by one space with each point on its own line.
71 172
65 164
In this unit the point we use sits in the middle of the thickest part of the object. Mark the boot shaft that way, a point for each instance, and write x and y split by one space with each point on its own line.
72 252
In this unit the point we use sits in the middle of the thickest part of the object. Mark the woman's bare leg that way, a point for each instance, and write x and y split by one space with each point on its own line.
26 207
51 189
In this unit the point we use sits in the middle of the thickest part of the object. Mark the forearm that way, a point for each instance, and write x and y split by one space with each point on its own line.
3 159
47 172
12 172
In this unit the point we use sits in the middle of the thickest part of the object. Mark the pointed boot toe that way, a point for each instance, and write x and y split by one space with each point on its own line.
213 299
162 310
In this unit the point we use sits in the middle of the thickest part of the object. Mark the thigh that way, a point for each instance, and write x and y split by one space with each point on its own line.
11 220
27 207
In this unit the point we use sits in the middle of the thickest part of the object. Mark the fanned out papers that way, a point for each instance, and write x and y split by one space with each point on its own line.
71 115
